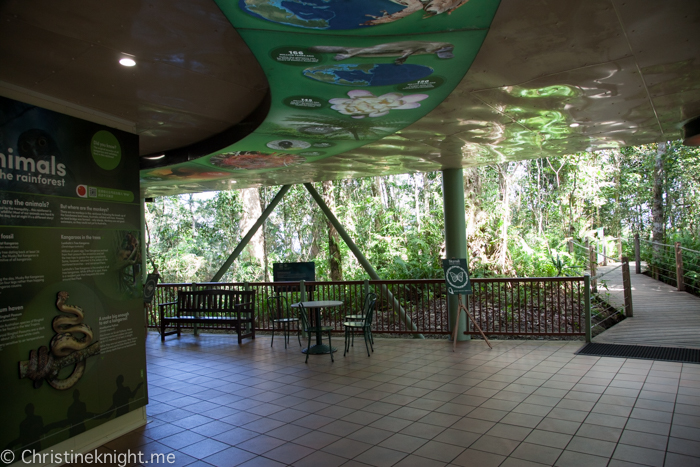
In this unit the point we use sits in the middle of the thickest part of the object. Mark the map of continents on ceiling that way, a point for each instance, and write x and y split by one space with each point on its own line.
342 73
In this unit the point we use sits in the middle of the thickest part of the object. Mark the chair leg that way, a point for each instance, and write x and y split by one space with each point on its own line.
371 340
330 346
364 332
299 334
345 343
308 349
273 334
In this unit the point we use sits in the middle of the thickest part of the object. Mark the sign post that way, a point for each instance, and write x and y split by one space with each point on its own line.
458 283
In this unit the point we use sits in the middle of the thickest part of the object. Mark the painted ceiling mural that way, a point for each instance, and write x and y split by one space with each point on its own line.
342 74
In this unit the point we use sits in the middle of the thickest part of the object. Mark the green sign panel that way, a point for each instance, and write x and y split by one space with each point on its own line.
457 276
72 335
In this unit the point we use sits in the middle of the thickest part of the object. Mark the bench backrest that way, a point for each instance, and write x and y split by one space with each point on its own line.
216 300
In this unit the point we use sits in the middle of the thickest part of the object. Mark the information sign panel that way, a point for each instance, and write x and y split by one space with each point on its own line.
457 276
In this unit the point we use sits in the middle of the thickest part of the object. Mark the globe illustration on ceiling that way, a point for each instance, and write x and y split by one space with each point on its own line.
367 74
320 14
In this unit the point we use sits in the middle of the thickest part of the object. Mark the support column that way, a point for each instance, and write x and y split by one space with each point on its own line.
244 241
455 237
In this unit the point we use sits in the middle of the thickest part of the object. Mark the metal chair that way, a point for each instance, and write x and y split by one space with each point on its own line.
281 316
370 300
364 325
312 330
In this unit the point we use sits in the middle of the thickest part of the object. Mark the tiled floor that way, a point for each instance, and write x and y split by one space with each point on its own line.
414 403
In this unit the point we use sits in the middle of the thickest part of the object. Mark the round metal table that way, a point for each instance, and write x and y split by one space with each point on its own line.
319 348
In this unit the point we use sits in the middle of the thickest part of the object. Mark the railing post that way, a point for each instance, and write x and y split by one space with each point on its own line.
637 255
605 253
593 256
195 329
587 305
366 287
246 287
619 248
679 268
627 286
302 289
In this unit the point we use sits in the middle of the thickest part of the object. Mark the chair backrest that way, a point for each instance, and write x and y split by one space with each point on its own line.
370 306
212 299
278 307
304 317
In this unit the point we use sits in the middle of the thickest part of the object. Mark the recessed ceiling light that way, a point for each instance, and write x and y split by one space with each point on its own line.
127 62
574 125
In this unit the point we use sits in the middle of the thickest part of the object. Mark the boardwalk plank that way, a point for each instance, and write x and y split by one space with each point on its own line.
663 316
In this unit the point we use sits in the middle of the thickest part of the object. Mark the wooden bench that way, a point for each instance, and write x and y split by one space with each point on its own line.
234 308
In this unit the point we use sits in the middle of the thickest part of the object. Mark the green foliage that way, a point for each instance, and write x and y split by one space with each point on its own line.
519 216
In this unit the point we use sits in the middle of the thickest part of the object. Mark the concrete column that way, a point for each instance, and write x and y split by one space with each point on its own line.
455 237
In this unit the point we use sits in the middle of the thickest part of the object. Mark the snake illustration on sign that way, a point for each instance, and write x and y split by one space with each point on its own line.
457 276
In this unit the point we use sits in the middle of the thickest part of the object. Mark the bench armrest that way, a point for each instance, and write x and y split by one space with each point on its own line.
167 303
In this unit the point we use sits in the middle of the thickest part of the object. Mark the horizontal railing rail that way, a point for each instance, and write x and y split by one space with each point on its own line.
550 306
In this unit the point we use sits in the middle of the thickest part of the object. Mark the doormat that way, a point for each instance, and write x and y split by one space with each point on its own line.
669 354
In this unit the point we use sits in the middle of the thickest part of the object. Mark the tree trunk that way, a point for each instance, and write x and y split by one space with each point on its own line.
250 198
263 231
335 260
416 196
657 202
377 194
504 186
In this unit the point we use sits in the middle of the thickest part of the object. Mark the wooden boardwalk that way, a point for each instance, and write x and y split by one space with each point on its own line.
663 316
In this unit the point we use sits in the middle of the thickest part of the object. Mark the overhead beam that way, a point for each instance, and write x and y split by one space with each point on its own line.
246 239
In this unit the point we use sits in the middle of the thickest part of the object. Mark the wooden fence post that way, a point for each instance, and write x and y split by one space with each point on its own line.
637 255
587 305
619 248
302 289
627 286
679 268
592 257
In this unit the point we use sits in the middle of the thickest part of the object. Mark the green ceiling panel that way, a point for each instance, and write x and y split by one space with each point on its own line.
342 74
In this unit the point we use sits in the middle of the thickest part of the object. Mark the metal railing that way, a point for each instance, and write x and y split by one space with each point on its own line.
673 264
602 308
551 306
